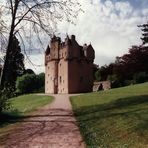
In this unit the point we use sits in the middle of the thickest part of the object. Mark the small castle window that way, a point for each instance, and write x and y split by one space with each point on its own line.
47 82
60 79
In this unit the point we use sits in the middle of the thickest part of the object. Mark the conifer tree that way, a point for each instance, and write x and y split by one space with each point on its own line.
144 29
15 64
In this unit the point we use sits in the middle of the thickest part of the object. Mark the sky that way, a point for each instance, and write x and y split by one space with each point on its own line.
109 25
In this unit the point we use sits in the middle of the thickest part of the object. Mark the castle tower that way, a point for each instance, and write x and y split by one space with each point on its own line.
51 63
69 66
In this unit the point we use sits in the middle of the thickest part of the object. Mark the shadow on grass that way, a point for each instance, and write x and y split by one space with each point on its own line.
117 104
16 116
102 124
130 107
10 117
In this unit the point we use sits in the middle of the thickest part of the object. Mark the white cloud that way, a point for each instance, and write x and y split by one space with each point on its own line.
111 27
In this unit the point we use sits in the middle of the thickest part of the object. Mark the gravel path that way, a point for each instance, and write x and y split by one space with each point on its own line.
54 126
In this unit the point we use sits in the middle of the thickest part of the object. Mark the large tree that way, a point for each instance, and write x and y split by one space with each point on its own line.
15 64
36 15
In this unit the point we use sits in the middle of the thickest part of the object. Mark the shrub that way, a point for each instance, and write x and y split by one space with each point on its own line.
98 75
30 83
41 82
129 82
26 83
140 77
5 94
112 78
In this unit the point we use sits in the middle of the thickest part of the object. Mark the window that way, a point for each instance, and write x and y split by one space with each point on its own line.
60 79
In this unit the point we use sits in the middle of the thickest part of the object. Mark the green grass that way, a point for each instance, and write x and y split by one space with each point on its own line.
28 103
116 118
23 105
21 108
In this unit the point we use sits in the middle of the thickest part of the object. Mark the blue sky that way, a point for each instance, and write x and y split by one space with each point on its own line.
138 4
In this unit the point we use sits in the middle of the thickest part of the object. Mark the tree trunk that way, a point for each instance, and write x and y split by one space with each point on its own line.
6 61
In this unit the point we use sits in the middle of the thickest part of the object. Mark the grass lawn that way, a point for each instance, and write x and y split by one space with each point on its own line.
116 118
22 105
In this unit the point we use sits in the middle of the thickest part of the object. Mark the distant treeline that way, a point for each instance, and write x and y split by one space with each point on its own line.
130 68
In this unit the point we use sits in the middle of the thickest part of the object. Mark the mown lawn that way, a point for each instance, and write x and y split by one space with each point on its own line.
22 105
21 108
116 118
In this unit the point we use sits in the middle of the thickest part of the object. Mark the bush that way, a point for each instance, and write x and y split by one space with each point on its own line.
97 75
26 84
5 94
140 77
112 78
30 83
129 82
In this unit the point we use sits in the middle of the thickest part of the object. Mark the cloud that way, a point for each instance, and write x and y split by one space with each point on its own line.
111 27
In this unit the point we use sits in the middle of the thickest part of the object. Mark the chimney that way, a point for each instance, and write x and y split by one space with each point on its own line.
73 37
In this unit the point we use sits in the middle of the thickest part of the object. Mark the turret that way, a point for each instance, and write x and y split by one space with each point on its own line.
55 46
89 52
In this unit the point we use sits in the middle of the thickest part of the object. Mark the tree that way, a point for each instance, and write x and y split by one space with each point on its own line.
15 64
145 33
38 15
29 71
29 83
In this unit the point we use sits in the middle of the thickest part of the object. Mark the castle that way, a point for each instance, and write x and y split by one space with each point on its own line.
68 66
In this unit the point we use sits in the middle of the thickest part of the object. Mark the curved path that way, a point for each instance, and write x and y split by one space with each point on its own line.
53 126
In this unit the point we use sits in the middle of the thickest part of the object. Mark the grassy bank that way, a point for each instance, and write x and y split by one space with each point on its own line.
22 105
116 118
21 108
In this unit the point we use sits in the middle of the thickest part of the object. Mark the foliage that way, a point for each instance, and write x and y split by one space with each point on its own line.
145 33
122 71
97 75
29 71
140 77
5 95
29 83
114 118
26 84
41 82
112 77
15 64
